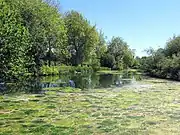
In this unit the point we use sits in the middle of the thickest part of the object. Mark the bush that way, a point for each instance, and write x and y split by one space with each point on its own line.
46 70
105 68
84 69
108 61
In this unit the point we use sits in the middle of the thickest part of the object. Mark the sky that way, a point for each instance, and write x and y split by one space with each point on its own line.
141 23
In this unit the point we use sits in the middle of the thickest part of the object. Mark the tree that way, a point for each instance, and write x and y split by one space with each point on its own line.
13 41
47 33
121 52
163 62
100 50
32 33
108 60
173 46
82 38
101 47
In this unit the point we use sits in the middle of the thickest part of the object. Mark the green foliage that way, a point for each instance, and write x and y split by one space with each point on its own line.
136 64
105 69
34 34
82 38
47 33
101 47
163 63
108 60
173 46
56 70
46 70
14 39
83 69
118 55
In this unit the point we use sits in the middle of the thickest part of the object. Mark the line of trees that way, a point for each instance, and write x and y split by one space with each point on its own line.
164 62
118 55
34 33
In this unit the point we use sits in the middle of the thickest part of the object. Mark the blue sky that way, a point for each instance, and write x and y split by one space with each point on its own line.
141 23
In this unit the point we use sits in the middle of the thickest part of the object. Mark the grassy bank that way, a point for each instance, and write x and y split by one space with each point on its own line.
109 71
148 107
56 70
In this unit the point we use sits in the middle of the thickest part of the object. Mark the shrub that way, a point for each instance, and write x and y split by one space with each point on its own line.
46 70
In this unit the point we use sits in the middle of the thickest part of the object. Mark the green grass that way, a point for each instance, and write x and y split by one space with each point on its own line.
109 72
151 108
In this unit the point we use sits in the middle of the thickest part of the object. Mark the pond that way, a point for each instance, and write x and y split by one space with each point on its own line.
149 106
83 81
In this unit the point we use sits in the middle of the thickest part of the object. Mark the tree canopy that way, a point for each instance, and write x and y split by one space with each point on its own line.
82 38
164 62
119 52
34 33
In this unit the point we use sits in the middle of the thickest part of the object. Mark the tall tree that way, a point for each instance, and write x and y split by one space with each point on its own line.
47 33
121 52
101 47
13 40
82 37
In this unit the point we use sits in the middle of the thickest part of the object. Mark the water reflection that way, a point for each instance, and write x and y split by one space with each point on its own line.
82 81
24 84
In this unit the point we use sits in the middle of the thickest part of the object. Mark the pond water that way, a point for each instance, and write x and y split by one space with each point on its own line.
83 81
134 110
